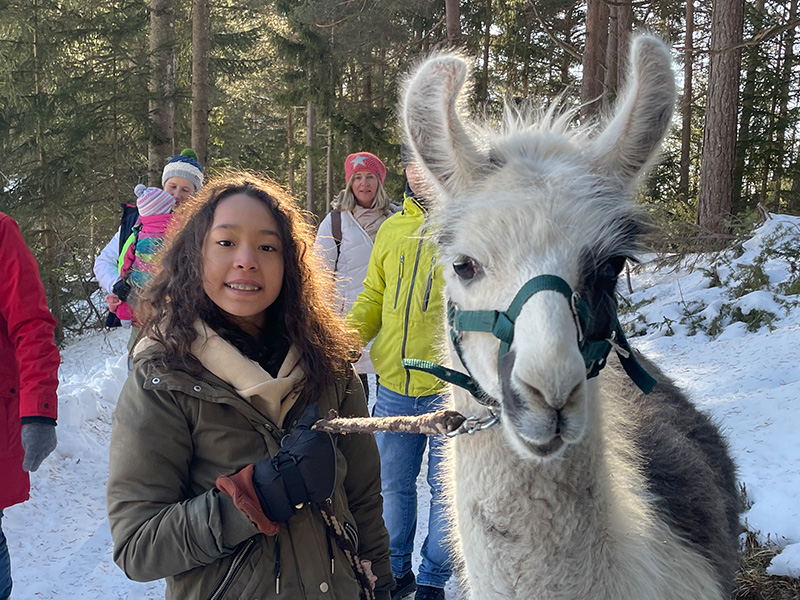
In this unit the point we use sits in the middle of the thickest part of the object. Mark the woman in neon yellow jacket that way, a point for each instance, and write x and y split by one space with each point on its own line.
401 308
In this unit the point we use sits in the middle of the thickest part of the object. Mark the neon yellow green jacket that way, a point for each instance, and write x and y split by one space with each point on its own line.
401 305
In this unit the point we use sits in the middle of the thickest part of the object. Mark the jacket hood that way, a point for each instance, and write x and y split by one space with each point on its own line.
413 207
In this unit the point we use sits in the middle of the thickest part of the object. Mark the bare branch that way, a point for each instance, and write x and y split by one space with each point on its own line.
569 49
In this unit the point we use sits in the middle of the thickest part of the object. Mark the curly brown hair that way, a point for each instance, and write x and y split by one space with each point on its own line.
175 297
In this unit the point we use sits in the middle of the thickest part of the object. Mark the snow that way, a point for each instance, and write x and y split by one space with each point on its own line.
747 380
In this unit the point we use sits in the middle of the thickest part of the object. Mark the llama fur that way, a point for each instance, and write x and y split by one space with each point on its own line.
588 489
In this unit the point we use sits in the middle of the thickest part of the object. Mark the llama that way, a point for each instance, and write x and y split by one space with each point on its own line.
588 489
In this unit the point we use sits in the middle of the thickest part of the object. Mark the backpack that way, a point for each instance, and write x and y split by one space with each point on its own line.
127 236
130 214
336 231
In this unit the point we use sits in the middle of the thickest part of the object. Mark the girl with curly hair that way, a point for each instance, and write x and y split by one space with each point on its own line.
217 481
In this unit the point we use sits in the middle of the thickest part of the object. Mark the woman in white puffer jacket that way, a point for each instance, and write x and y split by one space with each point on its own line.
362 206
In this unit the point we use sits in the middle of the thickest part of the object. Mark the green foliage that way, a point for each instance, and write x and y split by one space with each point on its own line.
748 278
785 245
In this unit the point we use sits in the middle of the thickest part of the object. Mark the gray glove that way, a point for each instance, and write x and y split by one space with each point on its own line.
38 441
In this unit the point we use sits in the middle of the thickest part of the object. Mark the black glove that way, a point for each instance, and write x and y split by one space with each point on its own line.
303 470
122 288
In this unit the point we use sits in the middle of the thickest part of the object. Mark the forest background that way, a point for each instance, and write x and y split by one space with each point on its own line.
96 94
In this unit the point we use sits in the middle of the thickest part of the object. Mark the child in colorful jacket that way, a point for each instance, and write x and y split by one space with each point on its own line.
155 215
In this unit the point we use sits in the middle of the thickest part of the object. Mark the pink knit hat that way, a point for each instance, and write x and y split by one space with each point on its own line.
364 161
153 201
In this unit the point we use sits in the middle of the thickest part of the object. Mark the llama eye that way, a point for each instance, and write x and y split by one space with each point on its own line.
466 269
612 268
607 272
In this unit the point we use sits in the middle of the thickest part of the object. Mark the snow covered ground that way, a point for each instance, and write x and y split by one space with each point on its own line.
748 380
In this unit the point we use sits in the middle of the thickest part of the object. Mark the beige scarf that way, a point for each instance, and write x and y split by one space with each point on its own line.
369 219
272 396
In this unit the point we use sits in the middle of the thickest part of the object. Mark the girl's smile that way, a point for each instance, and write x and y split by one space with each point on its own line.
243 260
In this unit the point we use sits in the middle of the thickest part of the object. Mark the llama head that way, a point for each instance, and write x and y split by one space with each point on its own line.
536 199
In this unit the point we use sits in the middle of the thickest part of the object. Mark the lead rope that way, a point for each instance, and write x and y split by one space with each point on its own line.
346 546
441 422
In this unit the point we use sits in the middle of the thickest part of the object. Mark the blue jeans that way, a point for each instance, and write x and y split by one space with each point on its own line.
401 460
5 564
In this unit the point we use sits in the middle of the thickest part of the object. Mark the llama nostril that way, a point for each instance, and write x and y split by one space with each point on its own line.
559 421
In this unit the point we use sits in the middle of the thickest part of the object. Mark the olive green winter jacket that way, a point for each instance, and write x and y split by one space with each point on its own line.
402 302
173 435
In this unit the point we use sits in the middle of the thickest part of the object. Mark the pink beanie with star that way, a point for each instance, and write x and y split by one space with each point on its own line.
364 161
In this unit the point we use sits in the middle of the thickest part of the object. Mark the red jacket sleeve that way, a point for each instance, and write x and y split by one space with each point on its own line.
26 326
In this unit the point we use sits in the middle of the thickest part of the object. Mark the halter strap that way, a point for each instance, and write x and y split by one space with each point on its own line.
501 324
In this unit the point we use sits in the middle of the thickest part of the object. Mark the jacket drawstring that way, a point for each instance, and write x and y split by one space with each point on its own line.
277 566
346 545
330 548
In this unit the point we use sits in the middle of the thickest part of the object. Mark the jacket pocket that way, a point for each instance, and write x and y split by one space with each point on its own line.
429 286
237 562
399 278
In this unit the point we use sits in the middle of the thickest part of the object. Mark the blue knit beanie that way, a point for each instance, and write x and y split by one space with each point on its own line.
184 165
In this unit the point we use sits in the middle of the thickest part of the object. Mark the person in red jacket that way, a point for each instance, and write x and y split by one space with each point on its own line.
28 377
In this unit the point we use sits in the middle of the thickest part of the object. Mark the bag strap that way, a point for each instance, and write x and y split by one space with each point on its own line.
336 230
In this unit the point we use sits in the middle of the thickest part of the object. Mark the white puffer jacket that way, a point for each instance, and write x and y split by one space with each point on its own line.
352 267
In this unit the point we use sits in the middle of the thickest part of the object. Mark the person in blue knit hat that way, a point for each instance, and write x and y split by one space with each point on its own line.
182 177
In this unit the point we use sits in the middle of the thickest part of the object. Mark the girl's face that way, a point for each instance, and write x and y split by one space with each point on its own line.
243 261
365 188
180 188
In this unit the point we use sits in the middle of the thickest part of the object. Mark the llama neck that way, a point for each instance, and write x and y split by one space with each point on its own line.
545 511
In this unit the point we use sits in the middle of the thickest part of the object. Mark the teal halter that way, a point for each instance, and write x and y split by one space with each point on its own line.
501 325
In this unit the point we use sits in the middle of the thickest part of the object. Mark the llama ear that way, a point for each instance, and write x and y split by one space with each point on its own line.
643 115
432 102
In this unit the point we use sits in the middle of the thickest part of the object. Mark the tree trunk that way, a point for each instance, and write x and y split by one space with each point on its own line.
594 57
48 266
526 69
162 88
329 169
367 93
380 83
201 46
310 199
487 38
794 196
115 167
748 95
453 22
289 143
566 62
620 17
783 109
686 104
715 198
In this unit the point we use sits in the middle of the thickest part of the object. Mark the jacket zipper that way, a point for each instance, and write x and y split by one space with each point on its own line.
233 569
351 532
428 287
399 278
408 310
